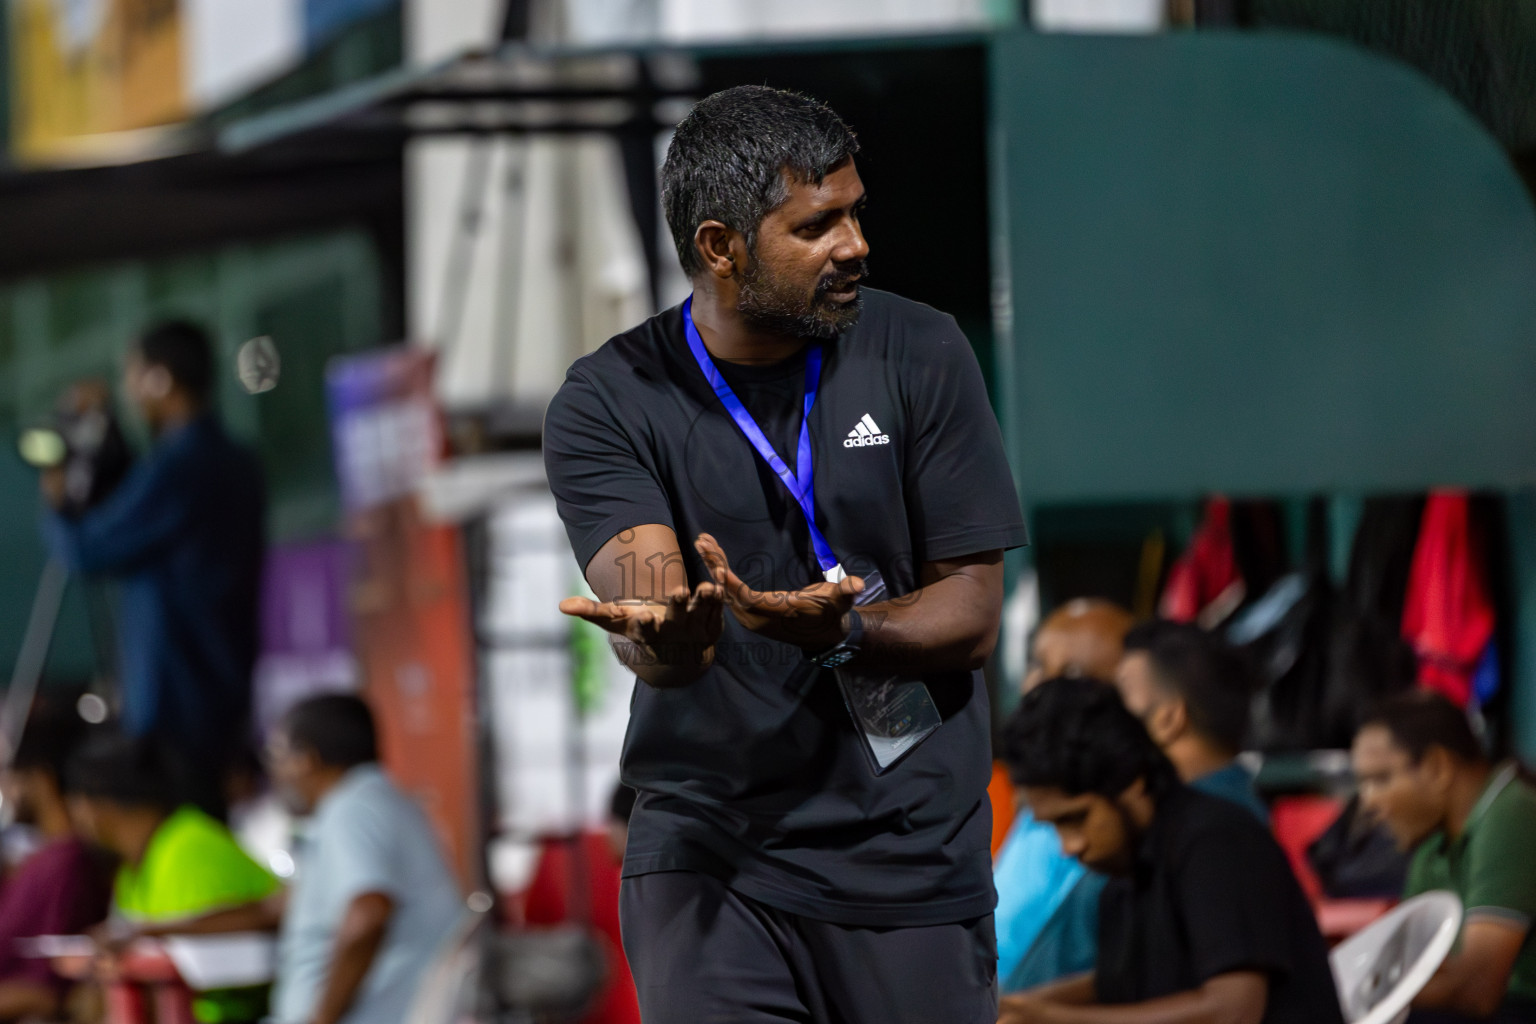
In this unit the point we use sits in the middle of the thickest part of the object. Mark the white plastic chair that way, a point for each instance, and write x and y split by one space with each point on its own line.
445 993
1380 969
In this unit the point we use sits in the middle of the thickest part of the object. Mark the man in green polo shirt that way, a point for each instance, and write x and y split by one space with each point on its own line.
177 863
1472 827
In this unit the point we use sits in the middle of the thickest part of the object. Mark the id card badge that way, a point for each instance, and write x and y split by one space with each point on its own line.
892 713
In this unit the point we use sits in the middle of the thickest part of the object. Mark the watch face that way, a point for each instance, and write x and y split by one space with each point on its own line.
837 658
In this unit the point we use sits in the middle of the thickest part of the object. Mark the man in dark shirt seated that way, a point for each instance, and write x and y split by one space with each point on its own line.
60 889
183 533
1202 919
1472 827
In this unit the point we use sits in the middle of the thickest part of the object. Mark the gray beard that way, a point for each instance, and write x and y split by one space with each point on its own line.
770 309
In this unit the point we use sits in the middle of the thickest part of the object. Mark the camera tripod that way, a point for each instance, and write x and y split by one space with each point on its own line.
32 658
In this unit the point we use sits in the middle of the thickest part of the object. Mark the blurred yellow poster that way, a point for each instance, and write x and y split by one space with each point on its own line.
84 67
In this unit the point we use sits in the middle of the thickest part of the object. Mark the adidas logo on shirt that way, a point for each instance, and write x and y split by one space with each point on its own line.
865 433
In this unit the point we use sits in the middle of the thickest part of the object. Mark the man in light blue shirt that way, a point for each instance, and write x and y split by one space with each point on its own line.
372 902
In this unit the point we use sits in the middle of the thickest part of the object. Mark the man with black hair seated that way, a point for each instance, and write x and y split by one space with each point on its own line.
1202 919
63 887
1193 692
1472 827
372 901
177 862
183 533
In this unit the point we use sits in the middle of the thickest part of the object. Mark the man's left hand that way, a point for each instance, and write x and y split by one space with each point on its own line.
811 619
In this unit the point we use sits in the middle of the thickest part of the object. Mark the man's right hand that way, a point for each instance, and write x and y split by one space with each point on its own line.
680 631
663 631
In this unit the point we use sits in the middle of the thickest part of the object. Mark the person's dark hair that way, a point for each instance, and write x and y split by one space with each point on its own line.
185 350
1075 735
51 736
1213 678
727 160
336 727
1420 720
126 770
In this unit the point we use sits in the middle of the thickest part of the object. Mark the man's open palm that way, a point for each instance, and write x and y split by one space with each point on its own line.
682 619
810 618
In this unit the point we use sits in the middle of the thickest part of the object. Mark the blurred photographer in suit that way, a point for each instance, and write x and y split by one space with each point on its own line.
182 533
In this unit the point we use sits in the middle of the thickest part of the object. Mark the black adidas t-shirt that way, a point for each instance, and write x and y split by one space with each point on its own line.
754 773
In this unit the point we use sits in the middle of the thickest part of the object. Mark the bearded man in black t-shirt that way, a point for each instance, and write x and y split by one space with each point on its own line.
731 474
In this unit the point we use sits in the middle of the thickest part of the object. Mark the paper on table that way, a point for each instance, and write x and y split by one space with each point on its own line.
223 961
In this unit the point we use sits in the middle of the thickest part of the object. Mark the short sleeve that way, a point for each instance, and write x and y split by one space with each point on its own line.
1499 879
1232 891
600 485
960 492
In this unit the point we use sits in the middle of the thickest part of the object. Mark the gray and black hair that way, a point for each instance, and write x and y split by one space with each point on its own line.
728 157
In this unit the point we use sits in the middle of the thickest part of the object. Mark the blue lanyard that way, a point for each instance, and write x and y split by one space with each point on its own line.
801 483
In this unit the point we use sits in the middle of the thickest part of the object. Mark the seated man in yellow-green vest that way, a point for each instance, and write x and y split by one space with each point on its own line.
177 862
1472 827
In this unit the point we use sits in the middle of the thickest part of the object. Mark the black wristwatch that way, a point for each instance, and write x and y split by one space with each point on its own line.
844 650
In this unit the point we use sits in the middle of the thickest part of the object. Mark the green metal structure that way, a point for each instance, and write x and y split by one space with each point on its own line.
1263 264
317 296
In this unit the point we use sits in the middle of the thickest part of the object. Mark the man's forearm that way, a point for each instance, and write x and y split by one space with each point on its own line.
1455 988
1181 1008
1473 980
1238 997
1074 991
263 916
357 943
948 626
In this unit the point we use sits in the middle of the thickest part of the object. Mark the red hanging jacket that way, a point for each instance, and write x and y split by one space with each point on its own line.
1448 616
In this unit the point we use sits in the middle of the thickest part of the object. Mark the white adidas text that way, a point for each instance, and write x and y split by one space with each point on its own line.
865 433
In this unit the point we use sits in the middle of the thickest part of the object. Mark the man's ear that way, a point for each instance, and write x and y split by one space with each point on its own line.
312 762
1136 803
1168 721
1437 769
721 249
1133 794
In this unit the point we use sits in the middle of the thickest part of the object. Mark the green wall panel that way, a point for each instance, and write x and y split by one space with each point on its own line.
1258 263
1522 575
317 296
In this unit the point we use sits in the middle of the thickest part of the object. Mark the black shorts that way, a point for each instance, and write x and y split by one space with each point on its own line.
702 954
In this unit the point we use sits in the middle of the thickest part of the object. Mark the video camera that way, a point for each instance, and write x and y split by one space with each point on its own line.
83 440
